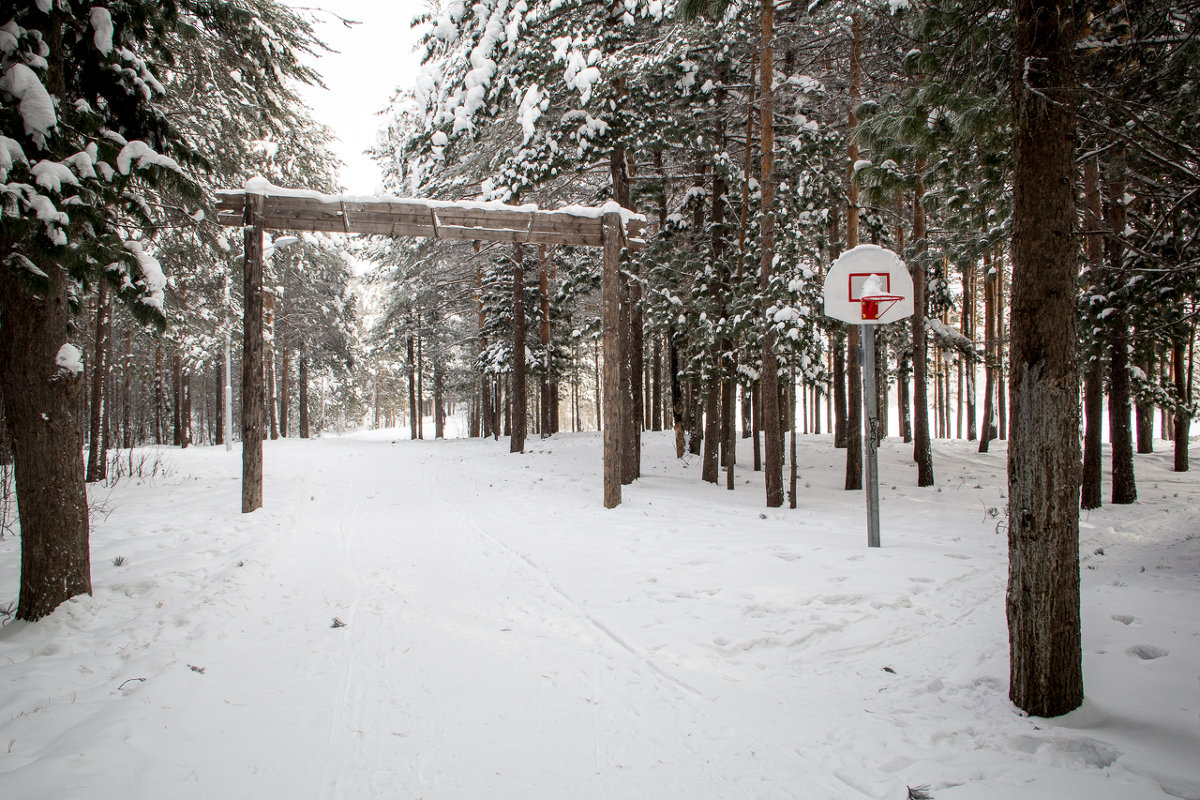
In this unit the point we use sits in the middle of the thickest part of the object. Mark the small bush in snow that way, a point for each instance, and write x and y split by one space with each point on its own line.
136 463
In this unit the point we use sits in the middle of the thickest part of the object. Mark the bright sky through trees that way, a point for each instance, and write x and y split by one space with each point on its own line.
370 61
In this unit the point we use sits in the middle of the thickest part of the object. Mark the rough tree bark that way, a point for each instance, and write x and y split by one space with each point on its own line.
969 325
1144 411
39 409
854 389
1045 656
1120 409
517 441
97 463
631 337
547 420
439 403
1091 488
413 411
127 406
676 393
1183 391
303 401
922 446
769 379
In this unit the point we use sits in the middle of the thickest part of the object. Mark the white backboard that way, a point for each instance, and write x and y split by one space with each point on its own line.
878 270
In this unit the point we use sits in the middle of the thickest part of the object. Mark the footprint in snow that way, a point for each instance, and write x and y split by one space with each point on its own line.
1125 619
1147 652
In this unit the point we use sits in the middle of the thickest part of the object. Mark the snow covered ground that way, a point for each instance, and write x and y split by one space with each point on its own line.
506 637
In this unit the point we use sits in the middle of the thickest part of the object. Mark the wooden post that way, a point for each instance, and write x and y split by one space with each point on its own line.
612 359
252 357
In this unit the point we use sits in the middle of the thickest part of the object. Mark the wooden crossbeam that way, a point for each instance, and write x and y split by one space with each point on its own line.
415 217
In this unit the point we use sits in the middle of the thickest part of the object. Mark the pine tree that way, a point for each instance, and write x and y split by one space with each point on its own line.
1045 656
84 136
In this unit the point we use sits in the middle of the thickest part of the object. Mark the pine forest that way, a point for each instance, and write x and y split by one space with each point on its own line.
1033 165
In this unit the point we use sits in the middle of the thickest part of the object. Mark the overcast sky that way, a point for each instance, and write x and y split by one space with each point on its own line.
373 58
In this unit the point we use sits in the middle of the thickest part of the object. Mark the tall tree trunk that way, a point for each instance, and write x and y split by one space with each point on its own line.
486 405
414 411
676 393
756 424
1167 378
695 419
991 283
854 388
218 395
1093 387
854 409
273 402
97 463
710 468
1001 349
769 379
1183 392
185 412
793 471
631 336
285 367
656 398
1120 426
272 398
127 406
303 400
970 329
922 447
714 428
1093 404
1045 656
517 441
729 408
599 381
838 341
160 423
904 373
177 401
40 399
503 406
1144 411
421 378
439 402
816 409
547 423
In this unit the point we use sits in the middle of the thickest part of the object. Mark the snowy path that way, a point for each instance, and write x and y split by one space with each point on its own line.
470 671
508 638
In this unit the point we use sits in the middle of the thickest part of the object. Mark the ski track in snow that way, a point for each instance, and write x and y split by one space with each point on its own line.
507 637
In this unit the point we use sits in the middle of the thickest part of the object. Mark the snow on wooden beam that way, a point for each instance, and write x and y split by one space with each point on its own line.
290 209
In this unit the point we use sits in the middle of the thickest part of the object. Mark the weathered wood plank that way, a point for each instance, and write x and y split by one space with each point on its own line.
252 359
415 217
611 402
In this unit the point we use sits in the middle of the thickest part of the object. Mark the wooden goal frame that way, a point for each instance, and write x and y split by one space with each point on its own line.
260 206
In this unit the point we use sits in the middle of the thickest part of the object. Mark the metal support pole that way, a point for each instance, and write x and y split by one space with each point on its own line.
871 437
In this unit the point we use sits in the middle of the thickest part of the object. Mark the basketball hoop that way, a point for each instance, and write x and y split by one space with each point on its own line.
876 305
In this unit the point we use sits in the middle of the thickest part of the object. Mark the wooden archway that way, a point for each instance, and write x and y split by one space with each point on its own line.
261 206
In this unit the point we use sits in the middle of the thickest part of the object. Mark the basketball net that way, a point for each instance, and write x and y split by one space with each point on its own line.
876 305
